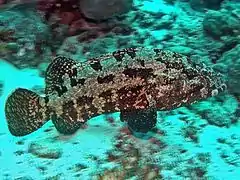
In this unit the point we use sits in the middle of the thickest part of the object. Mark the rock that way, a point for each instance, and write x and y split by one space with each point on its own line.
181 49
228 43
78 167
231 62
43 151
1 88
23 178
219 112
166 22
234 76
191 132
201 4
221 23
104 9
23 37
171 2
156 21
229 149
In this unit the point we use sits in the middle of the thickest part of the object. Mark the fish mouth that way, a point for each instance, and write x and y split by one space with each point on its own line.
214 82
218 84
218 90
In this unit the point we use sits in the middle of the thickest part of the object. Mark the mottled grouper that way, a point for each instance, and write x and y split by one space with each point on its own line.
138 82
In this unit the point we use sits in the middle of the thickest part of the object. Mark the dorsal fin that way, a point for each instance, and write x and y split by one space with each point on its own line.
60 69
62 72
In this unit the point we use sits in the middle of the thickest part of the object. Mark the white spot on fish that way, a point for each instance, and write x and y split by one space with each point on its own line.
214 92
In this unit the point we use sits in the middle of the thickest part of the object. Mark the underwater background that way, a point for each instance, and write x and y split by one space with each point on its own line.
198 141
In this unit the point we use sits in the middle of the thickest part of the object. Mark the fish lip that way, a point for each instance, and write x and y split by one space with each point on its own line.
220 86
216 83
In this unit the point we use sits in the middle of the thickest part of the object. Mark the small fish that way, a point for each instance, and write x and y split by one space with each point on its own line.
138 82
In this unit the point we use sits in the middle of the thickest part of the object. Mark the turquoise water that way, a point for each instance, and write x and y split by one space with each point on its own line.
196 141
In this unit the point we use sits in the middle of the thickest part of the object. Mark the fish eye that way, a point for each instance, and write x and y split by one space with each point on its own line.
214 92
223 87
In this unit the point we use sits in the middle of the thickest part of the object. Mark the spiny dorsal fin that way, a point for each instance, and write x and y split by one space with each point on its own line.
62 67
57 72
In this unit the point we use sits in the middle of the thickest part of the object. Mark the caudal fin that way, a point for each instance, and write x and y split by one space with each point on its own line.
25 112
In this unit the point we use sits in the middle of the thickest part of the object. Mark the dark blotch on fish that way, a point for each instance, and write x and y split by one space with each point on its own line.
96 65
106 79
133 73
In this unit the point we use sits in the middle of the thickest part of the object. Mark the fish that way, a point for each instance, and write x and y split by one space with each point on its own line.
137 82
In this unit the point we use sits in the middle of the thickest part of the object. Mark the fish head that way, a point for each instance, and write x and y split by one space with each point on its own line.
204 82
181 81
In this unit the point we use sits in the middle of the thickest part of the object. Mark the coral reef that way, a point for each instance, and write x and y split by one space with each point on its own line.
130 161
221 113
67 18
44 152
230 65
228 154
104 9
61 19
20 44
221 23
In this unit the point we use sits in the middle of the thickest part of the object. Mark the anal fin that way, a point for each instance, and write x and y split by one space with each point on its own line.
65 125
140 120
70 120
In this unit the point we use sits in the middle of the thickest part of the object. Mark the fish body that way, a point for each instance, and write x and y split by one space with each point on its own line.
135 81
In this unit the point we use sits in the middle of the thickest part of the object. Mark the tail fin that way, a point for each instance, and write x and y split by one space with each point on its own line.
25 112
